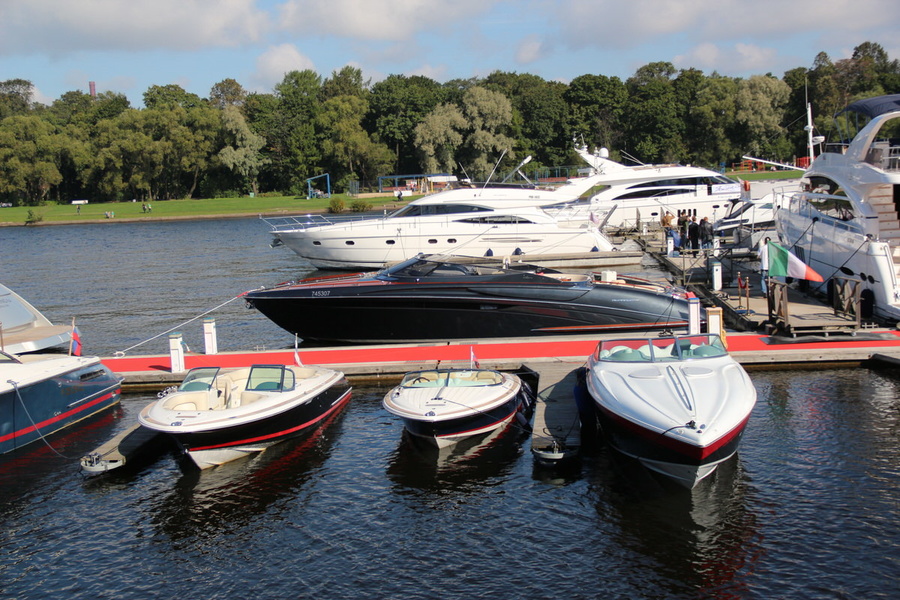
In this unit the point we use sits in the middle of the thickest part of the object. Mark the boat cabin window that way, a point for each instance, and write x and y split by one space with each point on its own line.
198 380
418 210
830 199
505 219
665 349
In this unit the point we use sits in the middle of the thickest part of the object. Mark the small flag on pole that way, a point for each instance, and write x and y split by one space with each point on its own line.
594 218
784 264
75 342
297 354
473 362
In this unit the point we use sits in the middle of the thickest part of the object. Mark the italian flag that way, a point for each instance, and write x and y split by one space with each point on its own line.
784 264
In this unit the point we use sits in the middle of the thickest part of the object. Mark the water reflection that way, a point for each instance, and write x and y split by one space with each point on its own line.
704 539
225 499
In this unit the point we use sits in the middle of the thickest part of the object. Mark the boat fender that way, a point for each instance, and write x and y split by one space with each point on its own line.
746 185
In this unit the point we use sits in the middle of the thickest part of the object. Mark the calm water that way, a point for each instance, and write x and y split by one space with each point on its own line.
810 508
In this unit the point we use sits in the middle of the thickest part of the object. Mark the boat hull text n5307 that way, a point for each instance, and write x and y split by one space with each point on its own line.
443 297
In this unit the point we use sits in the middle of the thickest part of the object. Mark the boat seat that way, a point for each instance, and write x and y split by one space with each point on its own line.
249 397
303 372
628 355
707 350
188 401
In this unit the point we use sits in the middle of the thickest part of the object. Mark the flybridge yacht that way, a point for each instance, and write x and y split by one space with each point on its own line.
643 193
844 222
475 221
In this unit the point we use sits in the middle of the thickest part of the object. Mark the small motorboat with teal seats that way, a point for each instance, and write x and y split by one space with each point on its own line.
678 404
218 415
444 406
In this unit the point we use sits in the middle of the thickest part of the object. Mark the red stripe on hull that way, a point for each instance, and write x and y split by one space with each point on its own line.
60 417
279 434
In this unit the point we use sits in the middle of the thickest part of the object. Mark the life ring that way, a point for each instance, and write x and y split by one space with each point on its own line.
746 186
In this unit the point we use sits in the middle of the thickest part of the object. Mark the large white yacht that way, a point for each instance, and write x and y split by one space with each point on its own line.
633 195
475 221
505 219
844 221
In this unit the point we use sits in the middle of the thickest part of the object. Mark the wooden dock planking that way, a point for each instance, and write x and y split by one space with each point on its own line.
556 413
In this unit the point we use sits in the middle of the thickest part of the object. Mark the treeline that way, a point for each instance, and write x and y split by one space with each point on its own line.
234 142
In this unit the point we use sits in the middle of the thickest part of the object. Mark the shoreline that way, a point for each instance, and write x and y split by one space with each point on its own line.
207 217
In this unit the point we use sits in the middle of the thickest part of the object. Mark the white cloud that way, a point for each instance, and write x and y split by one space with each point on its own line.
63 26
530 49
738 58
379 20
272 65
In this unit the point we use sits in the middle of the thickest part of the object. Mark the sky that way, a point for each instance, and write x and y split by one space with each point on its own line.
126 46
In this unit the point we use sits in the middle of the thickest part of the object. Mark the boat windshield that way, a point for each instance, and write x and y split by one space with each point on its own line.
438 265
663 349
270 378
451 378
198 380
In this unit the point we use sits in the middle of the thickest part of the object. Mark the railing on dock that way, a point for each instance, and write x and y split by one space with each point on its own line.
845 306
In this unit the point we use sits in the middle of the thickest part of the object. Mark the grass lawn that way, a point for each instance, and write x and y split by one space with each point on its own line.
275 205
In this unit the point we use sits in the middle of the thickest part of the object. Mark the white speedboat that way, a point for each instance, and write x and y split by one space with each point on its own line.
444 406
844 222
677 404
24 329
220 415
475 221
41 394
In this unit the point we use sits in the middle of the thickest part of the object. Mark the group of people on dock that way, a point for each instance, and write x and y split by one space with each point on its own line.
688 233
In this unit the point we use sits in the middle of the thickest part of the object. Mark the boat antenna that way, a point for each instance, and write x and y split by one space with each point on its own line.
524 162
497 164
630 157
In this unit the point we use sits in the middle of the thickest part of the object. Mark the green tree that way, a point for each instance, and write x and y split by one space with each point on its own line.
654 127
241 153
29 147
438 137
294 152
15 97
159 96
760 104
346 82
227 92
714 116
596 106
396 106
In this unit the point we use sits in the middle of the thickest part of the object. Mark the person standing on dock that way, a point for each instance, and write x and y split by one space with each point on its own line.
694 235
706 233
764 266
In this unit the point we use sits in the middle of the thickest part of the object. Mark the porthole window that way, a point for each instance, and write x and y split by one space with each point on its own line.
317 243
432 241
390 242
350 243
451 241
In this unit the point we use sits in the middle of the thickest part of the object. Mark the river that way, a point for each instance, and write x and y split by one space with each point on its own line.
810 508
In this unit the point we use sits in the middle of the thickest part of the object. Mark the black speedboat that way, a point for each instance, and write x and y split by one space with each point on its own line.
441 297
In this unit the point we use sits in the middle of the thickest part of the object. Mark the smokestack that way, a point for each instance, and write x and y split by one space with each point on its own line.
93 87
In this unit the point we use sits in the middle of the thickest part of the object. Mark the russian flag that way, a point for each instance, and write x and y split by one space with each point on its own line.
75 343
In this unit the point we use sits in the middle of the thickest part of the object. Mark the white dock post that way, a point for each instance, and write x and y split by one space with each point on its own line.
670 245
176 352
693 315
209 335
714 321
717 244
717 276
